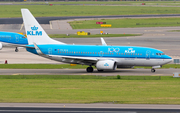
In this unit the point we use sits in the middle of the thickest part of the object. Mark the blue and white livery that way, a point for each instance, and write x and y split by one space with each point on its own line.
104 57
14 39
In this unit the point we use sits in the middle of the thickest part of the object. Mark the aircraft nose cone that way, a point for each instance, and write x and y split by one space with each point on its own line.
169 59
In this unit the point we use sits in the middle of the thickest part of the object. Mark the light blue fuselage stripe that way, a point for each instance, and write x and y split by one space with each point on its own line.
101 51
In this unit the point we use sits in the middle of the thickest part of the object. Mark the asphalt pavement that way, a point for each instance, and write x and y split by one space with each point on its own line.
124 72
87 108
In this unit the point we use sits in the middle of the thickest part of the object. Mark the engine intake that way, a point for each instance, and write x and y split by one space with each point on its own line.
1 46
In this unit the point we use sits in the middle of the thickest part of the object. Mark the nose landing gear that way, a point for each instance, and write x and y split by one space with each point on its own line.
16 50
153 70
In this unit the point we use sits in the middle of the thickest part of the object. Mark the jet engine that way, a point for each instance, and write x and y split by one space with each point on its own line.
1 46
106 65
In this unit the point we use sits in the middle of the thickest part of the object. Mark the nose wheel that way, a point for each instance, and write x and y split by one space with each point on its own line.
16 50
89 69
153 70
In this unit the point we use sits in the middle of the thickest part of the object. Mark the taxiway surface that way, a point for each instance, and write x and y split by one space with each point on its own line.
86 108
131 72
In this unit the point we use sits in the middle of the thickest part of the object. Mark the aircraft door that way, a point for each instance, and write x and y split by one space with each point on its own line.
50 51
17 38
101 53
148 53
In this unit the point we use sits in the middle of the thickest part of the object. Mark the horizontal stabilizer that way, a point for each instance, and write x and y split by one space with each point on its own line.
38 50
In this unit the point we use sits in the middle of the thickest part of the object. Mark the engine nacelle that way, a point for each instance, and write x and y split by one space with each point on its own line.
1 46
106 65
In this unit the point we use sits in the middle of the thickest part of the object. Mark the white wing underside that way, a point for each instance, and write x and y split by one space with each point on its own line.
82 59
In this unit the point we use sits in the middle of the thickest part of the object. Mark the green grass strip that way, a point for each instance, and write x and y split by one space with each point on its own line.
8 11
91 35
42 89
127 23
41 66
117 2
67 66
174 31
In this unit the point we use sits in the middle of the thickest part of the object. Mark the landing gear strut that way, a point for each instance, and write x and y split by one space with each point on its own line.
89 69
16 50
100 70
153 70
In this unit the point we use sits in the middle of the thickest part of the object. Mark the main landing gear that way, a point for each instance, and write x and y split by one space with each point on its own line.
16 50
100 70
153 70
89 69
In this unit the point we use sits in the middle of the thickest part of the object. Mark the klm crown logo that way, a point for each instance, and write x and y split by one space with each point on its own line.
34 32
106 64
34 28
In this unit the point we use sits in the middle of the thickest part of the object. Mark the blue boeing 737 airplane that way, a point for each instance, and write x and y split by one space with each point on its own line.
14 39
103 57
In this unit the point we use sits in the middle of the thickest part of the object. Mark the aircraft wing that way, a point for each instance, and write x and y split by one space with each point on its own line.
77 59
16 45
12 45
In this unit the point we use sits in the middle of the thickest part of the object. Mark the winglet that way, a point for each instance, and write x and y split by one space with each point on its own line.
38 50
103 42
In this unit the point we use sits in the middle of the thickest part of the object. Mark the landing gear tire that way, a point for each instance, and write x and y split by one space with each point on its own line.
89 69
100 70
16 50
153 70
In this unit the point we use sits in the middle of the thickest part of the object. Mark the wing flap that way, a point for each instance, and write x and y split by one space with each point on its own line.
83 59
